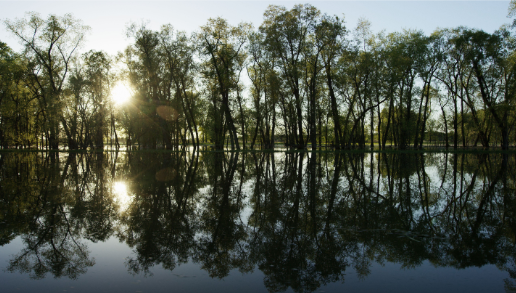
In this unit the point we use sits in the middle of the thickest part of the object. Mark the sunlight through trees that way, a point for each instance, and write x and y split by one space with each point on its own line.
300 79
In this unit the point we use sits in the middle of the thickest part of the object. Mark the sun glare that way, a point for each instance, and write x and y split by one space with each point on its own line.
120 94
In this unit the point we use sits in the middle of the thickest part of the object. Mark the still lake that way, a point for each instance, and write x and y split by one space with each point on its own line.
257 222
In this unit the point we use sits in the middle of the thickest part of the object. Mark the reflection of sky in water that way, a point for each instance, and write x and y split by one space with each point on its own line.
109 274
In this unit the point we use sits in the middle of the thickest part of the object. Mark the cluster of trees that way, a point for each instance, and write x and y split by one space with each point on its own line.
301 78
304 221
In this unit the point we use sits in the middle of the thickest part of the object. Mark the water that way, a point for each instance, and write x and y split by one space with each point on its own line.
257 222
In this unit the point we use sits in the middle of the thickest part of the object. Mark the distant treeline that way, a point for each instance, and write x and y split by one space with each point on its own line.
302 76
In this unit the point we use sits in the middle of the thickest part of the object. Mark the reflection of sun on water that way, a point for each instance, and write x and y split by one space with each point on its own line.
121 195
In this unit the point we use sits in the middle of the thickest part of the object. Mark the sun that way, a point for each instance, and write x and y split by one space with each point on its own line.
120 93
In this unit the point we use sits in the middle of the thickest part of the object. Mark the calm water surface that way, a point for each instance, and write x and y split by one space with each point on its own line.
257 222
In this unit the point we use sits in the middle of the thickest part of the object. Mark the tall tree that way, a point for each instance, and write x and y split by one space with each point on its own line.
491 57
331 32
99 84
50 45
181 67
287 36
146 75
222 47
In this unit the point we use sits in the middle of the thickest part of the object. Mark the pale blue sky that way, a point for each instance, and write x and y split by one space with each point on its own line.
108 19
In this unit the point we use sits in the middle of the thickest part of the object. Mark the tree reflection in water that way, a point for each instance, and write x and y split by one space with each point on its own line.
302 219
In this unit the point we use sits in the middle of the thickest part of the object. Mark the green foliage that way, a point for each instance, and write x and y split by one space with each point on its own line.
18 108
310 79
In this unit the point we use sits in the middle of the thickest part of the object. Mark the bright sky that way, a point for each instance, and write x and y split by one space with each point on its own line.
108 19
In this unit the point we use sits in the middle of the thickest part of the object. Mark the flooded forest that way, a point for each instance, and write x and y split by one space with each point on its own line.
305 154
